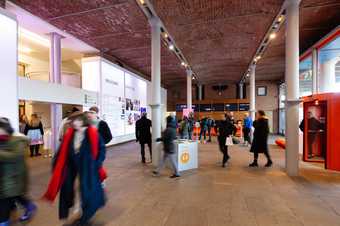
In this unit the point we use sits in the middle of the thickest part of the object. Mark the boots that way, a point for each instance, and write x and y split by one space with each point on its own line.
254 164
269 163
31 209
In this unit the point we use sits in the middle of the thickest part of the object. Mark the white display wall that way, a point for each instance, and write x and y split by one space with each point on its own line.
122 95
8 65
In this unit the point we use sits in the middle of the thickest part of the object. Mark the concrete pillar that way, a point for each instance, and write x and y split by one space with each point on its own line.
292 87
200 91
315 71
327 75
55 77
156 87
252 92
189 89
240 90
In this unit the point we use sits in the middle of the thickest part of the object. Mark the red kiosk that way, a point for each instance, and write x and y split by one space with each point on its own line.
321 126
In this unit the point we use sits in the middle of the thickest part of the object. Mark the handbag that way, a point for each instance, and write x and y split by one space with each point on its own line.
229 141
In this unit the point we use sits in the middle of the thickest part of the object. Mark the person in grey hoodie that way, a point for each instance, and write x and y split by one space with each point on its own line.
168 138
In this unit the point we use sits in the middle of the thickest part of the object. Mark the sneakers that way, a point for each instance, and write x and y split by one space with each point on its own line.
4 223
31 209
175 176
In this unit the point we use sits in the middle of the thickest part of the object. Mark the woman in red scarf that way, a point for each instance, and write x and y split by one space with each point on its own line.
81 154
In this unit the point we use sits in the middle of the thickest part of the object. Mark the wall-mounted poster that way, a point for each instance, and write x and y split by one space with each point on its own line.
113 98
135 101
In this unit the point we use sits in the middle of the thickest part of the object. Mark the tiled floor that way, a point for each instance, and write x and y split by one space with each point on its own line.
209 196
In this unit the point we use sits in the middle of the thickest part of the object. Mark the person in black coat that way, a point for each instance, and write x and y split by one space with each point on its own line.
101 125
143 135
260 140
225 129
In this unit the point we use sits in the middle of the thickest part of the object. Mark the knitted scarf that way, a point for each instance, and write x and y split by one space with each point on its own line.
58 175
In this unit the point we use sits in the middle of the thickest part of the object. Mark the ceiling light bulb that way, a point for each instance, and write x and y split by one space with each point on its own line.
142 2
183 64
280 18
257 58
171 47
272 35
166 35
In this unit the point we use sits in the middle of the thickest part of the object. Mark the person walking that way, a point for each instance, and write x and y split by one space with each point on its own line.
81 153
13 174
35 131
191 124
210 125
225 129
204 128
143 135
101 125
168 138
184 128
247 124
260 141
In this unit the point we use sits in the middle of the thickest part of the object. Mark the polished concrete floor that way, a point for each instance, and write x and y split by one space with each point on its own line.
209 196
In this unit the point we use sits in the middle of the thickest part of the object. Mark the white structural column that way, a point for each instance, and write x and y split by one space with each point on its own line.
240 90
156 87
252 92
315 71
55 77
189 89
292 86
200 91
327 76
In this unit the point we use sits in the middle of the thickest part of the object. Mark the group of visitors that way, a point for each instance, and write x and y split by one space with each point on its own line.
259 144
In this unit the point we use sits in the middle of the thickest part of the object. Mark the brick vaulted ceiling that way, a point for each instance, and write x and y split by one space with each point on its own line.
117 28
218 37
317 18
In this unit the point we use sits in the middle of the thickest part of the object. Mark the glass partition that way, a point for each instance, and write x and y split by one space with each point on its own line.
329 67
305 77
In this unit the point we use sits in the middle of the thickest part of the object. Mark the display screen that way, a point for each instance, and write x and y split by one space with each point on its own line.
231 107
244 107
205 107
218 107
180 107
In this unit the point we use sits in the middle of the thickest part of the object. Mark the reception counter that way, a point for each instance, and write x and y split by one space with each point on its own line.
187 155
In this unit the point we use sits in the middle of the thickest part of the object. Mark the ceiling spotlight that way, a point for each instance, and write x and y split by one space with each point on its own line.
142 2
257 58
193 78
171 47
247 75
272 35
184 64
280 18
165 35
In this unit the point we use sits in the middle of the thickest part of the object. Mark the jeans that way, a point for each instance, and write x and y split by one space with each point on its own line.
173 161
203 132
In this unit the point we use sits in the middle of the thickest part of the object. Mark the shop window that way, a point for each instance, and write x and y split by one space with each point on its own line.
305 77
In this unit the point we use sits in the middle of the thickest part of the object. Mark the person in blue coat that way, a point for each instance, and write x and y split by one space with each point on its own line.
81 155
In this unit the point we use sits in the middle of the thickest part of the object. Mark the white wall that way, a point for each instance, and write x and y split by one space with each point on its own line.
8 66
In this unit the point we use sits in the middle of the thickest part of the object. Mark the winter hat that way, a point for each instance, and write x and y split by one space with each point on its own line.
6 125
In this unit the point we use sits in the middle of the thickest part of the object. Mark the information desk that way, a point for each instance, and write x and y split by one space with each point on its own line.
187 154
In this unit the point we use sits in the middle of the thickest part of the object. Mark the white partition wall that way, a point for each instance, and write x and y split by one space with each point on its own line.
8 65
122 95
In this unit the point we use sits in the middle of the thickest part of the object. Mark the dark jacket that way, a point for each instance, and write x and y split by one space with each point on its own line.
13 171
260 140
29 127
168 138
91 191
225 128
143 133
104 131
